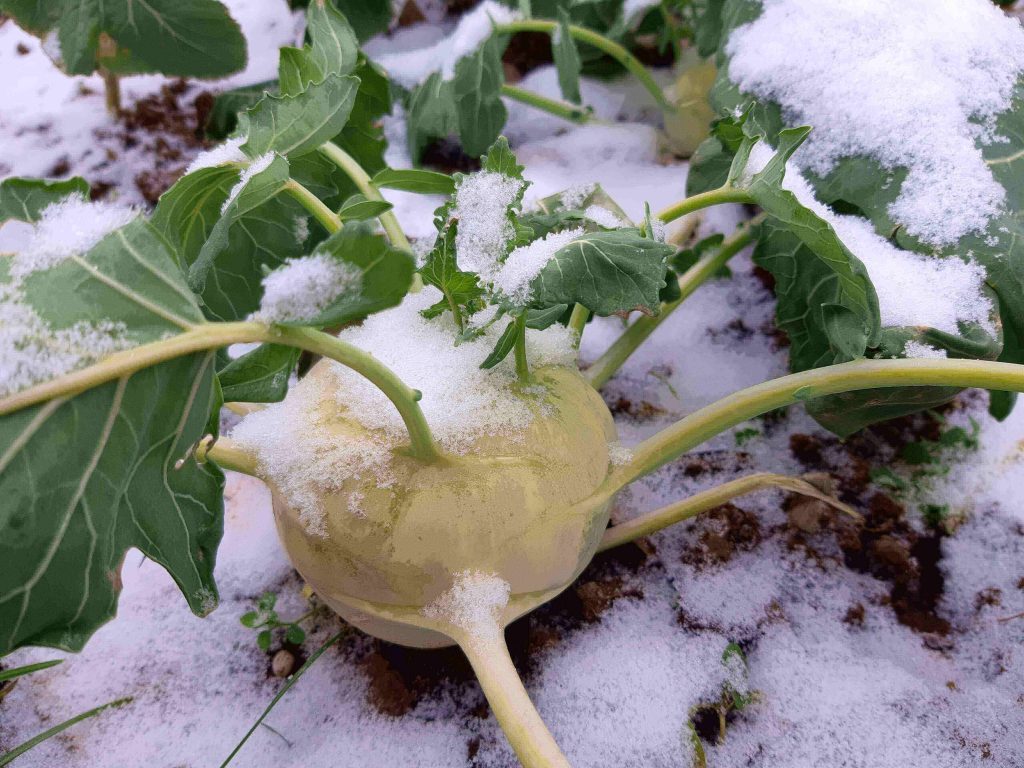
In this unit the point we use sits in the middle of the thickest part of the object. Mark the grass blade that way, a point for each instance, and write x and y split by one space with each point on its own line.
40 738
28 669
284 689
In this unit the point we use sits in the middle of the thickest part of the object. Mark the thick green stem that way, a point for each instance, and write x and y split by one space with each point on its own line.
603 44
227 455
578 321
571 112
616 355
362 180
704 200
529 736
649 523
709 421
328 218
215 335
522 365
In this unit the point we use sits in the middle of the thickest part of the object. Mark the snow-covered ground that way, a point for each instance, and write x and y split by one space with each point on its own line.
618 665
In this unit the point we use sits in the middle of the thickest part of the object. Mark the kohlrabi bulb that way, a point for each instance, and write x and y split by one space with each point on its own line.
509 506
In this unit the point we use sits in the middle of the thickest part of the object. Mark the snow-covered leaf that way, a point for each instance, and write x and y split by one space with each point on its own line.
607 272
68 516
24 199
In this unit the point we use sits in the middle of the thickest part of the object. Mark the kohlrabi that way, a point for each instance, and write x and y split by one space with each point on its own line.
444 466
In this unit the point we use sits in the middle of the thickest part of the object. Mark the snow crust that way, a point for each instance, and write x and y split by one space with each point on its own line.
914 84
302 288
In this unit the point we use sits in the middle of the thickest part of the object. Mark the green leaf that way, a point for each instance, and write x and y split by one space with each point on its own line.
505 344
258 238
367 17
333 44
24 199
295 634
432 114
386 274
263 640
68 517
249 619
567 59
294 125
441 271
358 208
185 38
224 116
249 194
28 669
259 376
415 180
607 272
539 319
476 90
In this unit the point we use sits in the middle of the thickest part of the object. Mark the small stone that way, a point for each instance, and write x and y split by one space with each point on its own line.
283 663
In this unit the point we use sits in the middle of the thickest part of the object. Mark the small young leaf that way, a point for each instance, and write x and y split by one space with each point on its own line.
267 601
440 270
259 376
505 344
567 59
358 208
263 640
295 634
539 319
415 180
24 199
294 125
249 619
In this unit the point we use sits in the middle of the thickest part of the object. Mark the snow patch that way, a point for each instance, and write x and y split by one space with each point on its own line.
914 84
228 152
302 288
515 276
484 230
68 228
258 165
473 603
410 68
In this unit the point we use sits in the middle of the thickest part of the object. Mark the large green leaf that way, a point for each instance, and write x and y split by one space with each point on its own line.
188 38
24 199
431 114
257 230
300 123
476 91
84 477
607 272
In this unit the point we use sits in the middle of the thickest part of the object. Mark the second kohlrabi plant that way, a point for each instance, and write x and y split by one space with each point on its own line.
444 466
